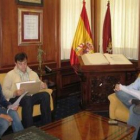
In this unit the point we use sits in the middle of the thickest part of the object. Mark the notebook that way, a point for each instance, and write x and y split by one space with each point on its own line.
31 88
31 133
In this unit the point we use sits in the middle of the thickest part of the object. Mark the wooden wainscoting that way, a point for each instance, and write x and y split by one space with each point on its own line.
70 82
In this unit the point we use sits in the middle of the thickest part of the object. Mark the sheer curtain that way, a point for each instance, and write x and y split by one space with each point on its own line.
125 26
70 14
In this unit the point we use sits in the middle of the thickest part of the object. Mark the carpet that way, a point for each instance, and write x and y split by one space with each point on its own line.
67 106
104 113
71 105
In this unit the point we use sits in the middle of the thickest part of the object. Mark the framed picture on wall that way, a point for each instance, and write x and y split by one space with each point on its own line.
30 26
30 2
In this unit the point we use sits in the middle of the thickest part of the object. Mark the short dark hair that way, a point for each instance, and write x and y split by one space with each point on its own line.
20 56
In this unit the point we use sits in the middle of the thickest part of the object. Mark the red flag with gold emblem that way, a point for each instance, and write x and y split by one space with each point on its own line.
82 42
107 39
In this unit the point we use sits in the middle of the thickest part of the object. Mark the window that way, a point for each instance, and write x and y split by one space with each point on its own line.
124 26
70 14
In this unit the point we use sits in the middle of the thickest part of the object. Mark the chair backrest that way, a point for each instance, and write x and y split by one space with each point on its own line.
2 76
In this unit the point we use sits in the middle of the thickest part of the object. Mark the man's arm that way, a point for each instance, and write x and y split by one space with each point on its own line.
34 74
132 89
3 101
7 87
135 93
6 117
135 85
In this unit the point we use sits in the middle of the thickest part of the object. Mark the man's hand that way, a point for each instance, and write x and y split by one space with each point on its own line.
117 87
19 92
13 108
6 117
43 85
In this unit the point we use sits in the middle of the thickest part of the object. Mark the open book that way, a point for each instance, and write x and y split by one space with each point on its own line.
104 59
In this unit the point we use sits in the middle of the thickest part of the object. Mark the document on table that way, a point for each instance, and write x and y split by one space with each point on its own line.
16 103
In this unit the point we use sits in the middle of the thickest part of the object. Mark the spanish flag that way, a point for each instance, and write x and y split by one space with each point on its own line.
82 42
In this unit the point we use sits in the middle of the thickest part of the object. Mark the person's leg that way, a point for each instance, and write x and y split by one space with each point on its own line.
4 124
134 120
43 99
27 111
124 98
16 123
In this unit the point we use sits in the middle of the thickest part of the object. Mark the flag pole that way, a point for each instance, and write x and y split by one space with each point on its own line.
108 4
84 2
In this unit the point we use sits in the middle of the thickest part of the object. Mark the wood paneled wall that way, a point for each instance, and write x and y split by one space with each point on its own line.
9 34
66 79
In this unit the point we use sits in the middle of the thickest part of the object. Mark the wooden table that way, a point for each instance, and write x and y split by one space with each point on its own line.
88 126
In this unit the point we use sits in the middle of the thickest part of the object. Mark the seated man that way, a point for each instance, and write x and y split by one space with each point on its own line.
22 73
8 117
129 96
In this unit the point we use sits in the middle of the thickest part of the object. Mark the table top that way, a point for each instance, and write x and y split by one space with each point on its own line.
88 126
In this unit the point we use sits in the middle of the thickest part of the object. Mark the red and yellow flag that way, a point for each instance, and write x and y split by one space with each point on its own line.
82 42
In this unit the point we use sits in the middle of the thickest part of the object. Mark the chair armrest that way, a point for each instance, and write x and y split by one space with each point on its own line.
115 106
51 100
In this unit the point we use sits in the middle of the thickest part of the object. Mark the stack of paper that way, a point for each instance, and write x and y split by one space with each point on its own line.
18 84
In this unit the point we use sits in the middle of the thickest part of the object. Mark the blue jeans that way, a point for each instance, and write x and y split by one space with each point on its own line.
4 124
134 119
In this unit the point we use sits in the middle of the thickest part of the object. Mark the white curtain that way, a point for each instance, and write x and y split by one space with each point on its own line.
70 14
125 26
